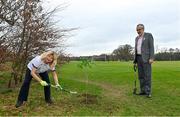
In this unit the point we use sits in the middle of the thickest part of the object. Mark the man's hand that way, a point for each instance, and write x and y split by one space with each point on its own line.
135 67
59 87
43 83
151 61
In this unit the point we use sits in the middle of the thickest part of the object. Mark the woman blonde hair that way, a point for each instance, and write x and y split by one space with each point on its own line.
54 54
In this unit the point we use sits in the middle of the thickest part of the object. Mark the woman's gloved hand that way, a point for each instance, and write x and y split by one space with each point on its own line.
43 83
59 87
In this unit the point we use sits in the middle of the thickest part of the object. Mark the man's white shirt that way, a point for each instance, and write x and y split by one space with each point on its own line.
139 44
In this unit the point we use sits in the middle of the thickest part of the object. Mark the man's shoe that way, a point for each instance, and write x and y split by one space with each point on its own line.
49 101
141 93
19 103
149 96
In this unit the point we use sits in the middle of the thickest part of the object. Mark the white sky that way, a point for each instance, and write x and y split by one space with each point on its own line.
106 24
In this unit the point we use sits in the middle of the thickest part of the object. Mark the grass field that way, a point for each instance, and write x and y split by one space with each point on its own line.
109 92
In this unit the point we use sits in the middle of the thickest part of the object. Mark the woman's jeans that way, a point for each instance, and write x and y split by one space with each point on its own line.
23 94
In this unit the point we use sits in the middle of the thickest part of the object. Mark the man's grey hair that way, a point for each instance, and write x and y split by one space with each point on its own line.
140 26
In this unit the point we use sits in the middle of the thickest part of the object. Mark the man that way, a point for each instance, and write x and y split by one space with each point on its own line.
144 57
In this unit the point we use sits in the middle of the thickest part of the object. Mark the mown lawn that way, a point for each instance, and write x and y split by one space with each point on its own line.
109 92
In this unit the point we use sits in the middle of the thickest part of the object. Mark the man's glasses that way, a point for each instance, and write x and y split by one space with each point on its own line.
139 29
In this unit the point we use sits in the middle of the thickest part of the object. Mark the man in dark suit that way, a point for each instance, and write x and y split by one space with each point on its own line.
144 57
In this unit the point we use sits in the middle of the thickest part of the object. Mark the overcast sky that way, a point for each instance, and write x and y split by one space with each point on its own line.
106 24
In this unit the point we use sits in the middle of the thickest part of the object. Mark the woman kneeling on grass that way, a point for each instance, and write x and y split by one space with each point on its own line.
36 68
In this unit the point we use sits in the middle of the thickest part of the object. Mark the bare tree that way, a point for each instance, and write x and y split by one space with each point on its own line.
8 16
31 30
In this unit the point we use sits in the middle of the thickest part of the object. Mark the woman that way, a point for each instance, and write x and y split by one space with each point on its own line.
36 68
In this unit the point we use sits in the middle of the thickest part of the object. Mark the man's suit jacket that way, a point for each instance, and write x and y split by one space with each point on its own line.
147 48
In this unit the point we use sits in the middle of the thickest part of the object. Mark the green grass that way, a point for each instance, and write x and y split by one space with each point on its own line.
111 83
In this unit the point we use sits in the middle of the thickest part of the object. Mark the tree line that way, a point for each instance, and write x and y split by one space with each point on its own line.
126 53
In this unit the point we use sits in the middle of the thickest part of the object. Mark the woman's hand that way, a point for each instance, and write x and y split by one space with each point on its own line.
59 86
44 83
